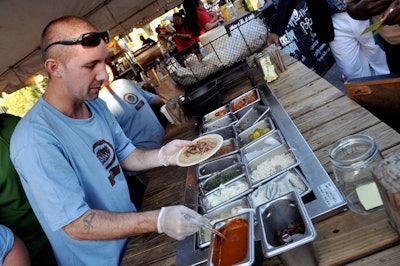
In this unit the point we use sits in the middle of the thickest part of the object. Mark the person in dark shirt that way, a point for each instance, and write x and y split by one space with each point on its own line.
15 211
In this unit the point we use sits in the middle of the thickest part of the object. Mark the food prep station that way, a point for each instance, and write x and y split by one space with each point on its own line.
263 157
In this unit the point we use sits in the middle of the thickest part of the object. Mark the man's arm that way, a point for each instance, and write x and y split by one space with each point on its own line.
140 159
102 225
365 9
280 20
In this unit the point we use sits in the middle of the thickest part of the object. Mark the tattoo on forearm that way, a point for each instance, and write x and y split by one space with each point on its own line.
88 220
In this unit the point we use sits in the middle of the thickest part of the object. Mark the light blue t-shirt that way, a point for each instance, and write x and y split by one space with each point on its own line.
131 107
6 242
68 166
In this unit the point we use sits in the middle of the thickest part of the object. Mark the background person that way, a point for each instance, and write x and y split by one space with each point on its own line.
198 18
130 105
15 211
353 51
183 37
389 32
12 249
70 151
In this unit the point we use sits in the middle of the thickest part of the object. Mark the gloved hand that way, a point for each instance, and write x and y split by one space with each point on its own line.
172 223
167 154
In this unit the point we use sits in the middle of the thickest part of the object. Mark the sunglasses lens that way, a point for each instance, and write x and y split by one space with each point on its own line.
91 39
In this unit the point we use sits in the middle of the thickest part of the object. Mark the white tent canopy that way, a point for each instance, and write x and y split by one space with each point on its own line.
22 22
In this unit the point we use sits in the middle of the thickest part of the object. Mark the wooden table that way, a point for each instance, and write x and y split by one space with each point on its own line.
323 114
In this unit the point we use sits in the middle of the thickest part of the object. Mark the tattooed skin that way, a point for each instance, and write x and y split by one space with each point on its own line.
88 220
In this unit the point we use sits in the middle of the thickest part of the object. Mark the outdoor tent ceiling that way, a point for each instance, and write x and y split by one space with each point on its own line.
22 22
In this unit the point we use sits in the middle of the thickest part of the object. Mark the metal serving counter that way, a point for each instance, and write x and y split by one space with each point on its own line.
323 201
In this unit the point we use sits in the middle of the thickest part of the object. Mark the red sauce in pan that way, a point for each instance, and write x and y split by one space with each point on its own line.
233 249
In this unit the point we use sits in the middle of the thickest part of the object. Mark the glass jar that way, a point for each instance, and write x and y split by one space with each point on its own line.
353 158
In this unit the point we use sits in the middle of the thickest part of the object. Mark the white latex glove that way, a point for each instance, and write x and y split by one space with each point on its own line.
167 154
171 222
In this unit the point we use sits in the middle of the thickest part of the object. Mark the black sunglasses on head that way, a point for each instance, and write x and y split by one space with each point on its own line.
86 39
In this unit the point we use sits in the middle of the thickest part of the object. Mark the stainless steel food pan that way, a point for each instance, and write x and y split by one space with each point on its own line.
208 168
250 247
262 145
267 166
222 177
224 121
226 132
220 214
286 230
233 190
256 113
291 180
256 131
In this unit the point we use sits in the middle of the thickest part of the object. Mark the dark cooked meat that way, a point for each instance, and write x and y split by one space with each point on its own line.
202 146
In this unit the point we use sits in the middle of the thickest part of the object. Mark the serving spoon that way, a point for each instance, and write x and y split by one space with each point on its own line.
205 225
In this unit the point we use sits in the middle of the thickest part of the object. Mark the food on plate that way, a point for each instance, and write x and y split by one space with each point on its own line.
200 147
200 150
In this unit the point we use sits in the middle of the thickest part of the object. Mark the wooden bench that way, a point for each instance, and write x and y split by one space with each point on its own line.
378 94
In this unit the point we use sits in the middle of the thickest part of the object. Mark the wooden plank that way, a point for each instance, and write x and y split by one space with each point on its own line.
387 257
348 236
311 118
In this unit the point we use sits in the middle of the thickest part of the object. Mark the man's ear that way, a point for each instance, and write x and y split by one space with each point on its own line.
52 66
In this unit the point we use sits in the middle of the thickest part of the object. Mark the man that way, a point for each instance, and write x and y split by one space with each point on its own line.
131 106
70 152
355 53
15 211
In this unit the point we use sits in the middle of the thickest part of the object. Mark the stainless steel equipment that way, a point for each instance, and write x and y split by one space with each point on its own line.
323 201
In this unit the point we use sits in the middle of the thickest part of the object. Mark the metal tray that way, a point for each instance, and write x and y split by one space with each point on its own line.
291 180
323 201
272 159
220 214
224 121
249 258
206 169
264 126
243 101
227 132
238 187
216 114
262 145
222 177
256 113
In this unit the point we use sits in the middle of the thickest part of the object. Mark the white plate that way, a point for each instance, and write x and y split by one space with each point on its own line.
183 160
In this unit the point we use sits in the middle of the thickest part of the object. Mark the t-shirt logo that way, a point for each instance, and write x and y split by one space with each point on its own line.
106 155
130 98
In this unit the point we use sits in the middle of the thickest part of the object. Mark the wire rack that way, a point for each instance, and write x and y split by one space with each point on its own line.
245 36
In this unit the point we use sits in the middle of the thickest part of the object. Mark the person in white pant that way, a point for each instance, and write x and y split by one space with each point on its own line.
355 53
